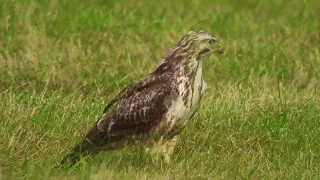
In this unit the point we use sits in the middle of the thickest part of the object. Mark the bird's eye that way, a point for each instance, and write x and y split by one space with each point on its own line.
212 41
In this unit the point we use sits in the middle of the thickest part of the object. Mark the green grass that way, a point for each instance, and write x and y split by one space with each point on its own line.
62 61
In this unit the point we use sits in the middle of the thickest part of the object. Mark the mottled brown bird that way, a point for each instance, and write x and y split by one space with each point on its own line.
153 110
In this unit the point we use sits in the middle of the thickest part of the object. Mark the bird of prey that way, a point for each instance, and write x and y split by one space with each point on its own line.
153 110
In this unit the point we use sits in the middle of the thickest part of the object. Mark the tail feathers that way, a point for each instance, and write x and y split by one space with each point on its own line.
82 150
70 160
94 143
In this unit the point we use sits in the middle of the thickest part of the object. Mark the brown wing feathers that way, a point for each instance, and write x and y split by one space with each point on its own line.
134 110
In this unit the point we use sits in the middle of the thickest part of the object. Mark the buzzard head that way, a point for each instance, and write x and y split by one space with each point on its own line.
192 47
199 44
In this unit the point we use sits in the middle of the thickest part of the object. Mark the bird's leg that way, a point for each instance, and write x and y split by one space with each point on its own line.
170 145
164 148
157 149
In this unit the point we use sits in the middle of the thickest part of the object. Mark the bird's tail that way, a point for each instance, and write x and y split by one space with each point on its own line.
94 142
84 149
89 146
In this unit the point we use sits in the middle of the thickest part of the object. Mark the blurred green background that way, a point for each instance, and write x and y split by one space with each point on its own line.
62 61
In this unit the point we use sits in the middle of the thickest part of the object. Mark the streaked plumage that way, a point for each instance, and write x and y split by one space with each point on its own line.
154 109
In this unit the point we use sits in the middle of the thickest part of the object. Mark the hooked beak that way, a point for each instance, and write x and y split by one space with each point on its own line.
220 50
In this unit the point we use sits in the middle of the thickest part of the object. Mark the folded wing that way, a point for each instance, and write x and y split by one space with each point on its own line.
141 108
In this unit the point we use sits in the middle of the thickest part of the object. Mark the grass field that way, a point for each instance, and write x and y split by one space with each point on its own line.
62 61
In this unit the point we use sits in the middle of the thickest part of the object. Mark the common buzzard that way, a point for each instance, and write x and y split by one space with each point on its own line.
153 110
